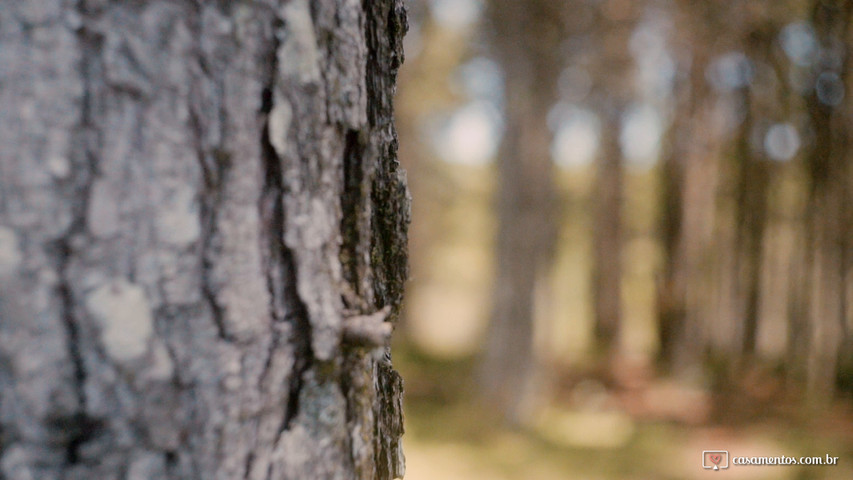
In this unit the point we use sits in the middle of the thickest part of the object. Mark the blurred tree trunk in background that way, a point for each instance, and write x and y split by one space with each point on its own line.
716 202
526 38
750 205
761 101
827 163
670 292
612 68
194 200
607 234
690 172
709 293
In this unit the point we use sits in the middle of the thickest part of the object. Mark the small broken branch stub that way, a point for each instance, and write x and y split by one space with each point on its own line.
368 330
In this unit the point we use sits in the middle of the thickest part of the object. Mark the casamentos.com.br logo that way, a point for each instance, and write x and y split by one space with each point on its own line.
719 460
825 460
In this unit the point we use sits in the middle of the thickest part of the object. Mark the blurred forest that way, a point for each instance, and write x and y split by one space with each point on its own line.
632 237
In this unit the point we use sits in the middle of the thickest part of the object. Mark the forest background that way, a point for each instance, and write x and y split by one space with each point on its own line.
632 237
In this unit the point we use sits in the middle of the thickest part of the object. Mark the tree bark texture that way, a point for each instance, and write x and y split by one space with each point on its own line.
526 39
194 198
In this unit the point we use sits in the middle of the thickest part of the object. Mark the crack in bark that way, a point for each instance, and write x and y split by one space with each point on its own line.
282 283
271 209
250 460
214 173
285 304
215 165
78 428
72 332
297 316
351 200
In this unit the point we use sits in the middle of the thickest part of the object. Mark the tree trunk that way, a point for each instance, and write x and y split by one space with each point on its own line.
607 244
692 174
613 90
690 170
751 184
670 295
826 162
765 99
195 201
526 37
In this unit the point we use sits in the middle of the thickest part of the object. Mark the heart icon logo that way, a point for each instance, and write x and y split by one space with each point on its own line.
715 459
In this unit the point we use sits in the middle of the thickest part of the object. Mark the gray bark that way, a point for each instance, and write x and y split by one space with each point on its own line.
194 198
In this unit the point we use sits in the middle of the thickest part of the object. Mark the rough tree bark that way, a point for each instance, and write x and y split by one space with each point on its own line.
195 199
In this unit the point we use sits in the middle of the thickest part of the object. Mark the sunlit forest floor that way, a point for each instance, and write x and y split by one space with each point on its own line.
618 421
449 435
